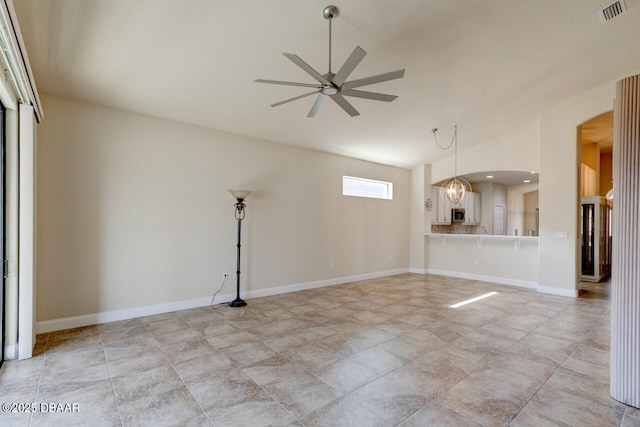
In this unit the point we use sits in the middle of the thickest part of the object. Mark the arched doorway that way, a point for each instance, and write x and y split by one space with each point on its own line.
595 141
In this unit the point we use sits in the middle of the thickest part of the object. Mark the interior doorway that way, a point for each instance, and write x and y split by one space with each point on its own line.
595 145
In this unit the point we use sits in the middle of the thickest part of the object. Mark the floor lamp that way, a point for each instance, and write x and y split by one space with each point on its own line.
240 195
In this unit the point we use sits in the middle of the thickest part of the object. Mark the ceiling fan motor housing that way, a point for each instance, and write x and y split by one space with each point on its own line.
329 89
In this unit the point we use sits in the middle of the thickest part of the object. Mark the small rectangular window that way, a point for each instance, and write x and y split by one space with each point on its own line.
362 187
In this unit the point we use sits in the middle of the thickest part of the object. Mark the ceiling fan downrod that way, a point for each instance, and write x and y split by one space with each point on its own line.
329 13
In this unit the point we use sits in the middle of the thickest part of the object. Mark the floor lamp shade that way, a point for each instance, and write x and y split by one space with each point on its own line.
240 194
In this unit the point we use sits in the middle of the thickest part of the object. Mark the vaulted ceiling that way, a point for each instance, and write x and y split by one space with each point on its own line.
487 66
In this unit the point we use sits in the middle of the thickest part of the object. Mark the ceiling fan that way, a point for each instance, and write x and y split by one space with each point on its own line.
335 85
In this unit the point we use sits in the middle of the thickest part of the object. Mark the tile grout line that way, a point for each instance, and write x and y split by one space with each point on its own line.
113 389
189 390
35 397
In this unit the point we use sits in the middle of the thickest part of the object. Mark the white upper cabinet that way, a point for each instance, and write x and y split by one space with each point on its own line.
441 210
468 203
472 208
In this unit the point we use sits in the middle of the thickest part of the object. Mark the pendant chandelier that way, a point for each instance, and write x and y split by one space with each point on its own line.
455 187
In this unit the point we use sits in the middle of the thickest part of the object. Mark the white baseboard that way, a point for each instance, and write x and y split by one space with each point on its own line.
114 315
483 278
11 352
321 283
130 313
419 270
572 293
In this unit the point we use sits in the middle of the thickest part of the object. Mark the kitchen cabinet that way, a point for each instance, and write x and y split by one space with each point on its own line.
468 203
441 209
472 208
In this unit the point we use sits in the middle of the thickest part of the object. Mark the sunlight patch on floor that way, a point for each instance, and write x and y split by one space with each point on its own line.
469 301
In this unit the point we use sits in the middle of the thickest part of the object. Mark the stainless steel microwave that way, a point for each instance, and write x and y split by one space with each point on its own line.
457 214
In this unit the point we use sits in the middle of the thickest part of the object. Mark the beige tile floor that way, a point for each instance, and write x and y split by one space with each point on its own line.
380 352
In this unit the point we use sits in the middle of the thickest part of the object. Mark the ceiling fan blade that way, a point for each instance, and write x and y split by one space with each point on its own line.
307 68
317 105
294 98
368 95
278 82
339 99
350 64
374 79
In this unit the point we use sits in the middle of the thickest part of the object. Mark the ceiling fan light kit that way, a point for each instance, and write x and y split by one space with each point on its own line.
334 85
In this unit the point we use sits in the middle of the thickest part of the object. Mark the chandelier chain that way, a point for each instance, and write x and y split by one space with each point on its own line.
453 139
455 187
454 142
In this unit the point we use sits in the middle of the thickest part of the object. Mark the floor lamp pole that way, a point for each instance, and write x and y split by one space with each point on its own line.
238 302
240 195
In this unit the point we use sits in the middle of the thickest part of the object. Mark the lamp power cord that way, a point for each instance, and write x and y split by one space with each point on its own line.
224 279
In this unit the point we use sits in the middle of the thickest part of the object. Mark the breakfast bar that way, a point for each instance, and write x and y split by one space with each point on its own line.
510 260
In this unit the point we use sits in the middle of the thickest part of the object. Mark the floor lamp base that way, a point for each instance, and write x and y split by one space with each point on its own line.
237 303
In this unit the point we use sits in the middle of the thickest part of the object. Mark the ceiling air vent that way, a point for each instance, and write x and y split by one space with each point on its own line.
611 11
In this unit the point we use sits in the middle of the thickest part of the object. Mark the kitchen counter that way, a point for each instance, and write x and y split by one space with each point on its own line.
481 237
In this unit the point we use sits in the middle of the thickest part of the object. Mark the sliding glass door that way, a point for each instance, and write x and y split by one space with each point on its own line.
3 274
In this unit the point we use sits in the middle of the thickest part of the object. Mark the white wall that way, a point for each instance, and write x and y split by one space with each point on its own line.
134 211
419 224
516 150
559 196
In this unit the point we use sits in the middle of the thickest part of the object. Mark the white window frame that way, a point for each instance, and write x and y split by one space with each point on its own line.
369 188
